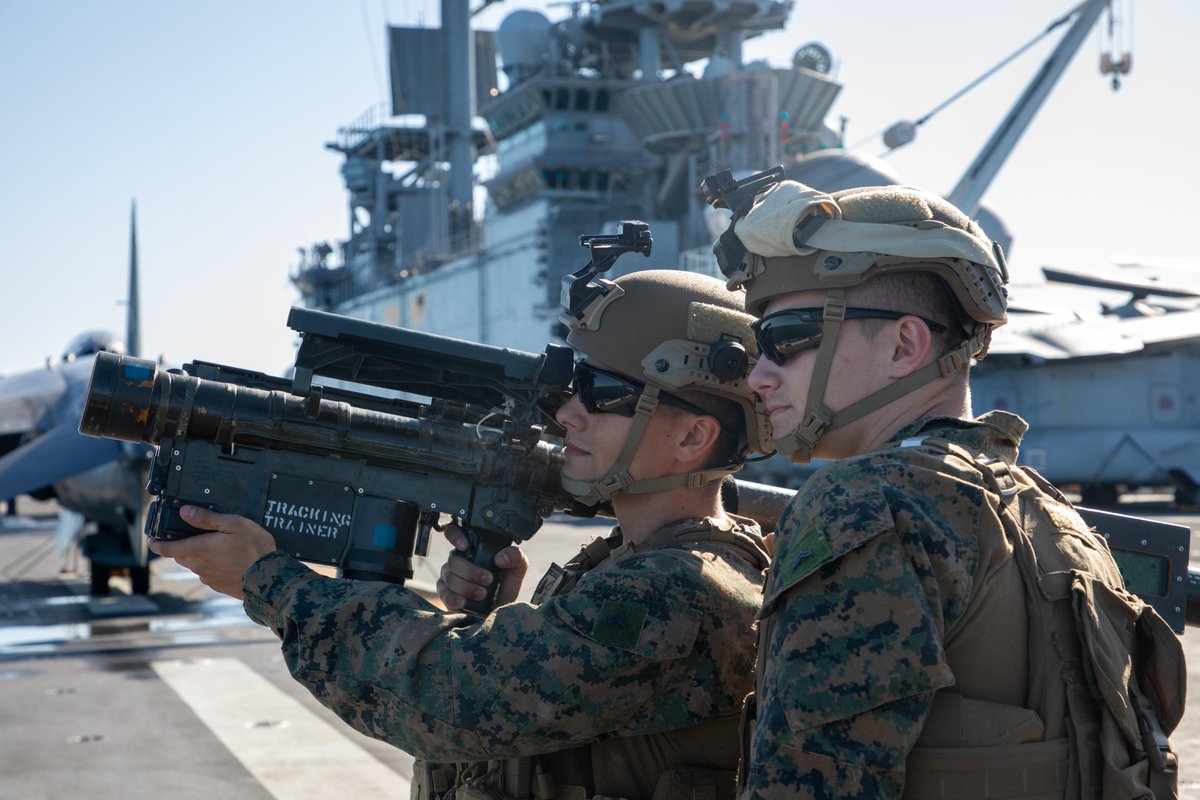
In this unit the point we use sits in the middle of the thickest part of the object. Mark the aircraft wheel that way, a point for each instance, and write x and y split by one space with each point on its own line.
139 579
1187 491
1100 495
99 579
1186 498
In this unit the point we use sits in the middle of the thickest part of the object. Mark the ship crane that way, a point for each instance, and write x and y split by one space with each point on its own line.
979 176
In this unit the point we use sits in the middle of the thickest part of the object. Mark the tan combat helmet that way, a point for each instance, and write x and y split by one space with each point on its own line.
796 238
672 331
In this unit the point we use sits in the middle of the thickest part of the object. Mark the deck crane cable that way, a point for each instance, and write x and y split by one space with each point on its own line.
393 73
362 7
382 110
393 67
483 6
1003 63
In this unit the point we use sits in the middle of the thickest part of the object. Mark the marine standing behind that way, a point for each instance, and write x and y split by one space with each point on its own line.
937 622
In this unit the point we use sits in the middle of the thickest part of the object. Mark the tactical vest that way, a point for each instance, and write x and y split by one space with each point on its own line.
577 773
1105 681
1106 677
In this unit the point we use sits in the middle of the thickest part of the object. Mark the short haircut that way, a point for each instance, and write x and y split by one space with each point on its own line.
726 411
921 293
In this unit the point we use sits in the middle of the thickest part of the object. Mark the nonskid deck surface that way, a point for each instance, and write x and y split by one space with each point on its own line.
177 694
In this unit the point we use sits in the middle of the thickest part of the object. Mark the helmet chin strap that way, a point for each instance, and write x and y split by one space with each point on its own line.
799 443
618 479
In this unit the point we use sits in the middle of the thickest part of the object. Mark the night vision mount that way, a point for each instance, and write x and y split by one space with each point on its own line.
578 290
722 191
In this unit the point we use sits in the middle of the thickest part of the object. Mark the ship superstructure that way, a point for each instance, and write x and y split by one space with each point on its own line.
467 202
557 129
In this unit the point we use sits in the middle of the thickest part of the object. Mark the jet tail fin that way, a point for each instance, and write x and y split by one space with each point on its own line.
133 334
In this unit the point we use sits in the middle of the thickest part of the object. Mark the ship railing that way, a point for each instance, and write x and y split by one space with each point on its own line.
361 128
462 241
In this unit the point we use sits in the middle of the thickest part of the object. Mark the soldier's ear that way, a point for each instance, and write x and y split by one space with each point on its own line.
699 437
911 344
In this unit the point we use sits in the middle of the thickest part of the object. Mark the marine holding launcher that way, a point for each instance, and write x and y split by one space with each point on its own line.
625 676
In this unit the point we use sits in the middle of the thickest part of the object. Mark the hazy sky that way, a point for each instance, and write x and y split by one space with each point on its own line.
214 116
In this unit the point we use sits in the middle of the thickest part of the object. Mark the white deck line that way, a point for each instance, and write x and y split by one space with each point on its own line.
293 753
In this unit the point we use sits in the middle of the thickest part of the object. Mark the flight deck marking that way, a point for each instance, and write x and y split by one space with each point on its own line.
292 752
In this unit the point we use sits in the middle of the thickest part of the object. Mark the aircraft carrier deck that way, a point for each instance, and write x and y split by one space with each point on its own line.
177 694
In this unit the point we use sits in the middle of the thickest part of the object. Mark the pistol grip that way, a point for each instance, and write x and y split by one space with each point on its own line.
482 553
165 524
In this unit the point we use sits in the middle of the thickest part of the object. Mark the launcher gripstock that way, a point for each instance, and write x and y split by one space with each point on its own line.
343 477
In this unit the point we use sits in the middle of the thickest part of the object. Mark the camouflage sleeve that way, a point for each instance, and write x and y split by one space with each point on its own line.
620 654
852 646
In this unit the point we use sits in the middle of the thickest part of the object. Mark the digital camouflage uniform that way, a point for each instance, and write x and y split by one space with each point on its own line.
938 622
656 638
876 561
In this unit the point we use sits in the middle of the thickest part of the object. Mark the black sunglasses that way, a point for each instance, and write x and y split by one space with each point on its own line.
784 334
604 392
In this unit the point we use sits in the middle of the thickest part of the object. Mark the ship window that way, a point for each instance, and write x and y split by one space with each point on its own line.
602 100
585 181
602 181
562 99
582 99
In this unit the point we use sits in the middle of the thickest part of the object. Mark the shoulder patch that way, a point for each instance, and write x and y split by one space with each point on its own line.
810 551
619 624
823 523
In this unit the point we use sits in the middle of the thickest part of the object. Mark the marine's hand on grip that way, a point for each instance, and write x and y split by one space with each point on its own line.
466 585
219 558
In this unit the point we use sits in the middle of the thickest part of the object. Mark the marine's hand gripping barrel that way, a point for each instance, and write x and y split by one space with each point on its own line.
334 482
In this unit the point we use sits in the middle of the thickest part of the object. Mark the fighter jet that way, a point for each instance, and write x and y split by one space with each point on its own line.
1105 369
99 484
